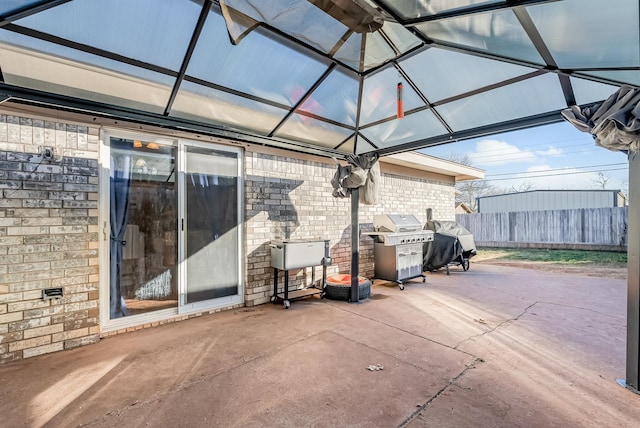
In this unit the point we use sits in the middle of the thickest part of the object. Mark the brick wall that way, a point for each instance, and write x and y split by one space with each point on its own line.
291 198
49 227
48 236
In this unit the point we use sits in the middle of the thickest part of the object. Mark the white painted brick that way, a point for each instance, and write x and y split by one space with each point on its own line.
43 331
29 246
29 343
72 307
10 297
41 350
20 307
70 334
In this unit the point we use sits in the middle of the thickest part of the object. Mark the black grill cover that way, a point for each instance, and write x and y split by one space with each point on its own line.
451 243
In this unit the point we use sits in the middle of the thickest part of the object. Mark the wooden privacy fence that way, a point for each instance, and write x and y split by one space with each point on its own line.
586 227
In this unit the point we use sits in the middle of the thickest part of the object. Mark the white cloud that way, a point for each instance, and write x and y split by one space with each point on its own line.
494 152
552 151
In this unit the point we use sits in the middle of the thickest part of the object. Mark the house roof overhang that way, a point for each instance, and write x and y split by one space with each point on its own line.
428 163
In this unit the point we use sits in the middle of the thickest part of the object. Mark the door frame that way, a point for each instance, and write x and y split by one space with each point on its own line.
220 302
109 325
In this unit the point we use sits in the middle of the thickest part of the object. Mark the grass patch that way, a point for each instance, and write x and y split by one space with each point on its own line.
569 257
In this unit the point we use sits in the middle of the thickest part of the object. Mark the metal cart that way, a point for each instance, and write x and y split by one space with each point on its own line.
287 255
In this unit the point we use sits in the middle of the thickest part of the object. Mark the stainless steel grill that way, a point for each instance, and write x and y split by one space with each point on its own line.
397 250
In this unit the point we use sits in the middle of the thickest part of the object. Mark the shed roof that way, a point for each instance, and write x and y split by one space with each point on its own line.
617 191
321 76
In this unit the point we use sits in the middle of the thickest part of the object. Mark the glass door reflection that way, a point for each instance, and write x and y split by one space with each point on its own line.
143 237
212 222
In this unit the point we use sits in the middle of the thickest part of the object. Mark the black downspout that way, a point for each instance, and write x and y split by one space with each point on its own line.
633 277
355 246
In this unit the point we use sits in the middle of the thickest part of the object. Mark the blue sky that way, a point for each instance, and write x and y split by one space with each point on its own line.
554 156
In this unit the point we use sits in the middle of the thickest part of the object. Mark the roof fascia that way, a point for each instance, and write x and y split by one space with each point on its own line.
428 163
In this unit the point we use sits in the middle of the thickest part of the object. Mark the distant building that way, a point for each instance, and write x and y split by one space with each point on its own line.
539 200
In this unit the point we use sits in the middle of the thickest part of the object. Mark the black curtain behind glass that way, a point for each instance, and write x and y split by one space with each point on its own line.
212 212
120 184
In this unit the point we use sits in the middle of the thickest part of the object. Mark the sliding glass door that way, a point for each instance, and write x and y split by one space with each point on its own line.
172 222
211 225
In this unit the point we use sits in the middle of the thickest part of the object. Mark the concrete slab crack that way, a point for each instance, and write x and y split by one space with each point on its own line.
451 382
181 386
500 324
400 329
564 305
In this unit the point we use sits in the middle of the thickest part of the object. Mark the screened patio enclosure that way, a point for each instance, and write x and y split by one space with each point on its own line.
327 77
321 76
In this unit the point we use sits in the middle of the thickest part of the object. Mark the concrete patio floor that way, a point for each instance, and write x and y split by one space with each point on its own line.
494 346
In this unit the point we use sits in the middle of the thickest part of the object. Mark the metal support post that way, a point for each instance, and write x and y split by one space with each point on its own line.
355 246
633 277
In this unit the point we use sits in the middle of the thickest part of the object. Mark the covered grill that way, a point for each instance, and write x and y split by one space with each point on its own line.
397 250
452 244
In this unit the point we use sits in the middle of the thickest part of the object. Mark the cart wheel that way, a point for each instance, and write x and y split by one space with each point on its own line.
401 286
465 264
447 268
424 278
273 299
286 304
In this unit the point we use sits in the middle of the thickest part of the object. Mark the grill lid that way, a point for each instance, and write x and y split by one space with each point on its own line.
396 223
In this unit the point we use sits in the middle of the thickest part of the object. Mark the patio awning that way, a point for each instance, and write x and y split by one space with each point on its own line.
321 76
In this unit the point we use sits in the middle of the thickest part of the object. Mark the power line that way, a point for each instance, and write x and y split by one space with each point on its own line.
499 152
560 169
554 175
512 157
526 154
546 143
481 158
